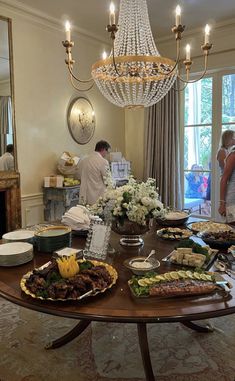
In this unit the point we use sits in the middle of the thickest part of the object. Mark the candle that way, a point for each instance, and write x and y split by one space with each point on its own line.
177 15
104 55
67 31
187 52
207 33
112 14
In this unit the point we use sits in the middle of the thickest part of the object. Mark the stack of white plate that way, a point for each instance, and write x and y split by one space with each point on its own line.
15 253
19 235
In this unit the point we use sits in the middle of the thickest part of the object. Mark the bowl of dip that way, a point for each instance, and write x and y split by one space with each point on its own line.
139 266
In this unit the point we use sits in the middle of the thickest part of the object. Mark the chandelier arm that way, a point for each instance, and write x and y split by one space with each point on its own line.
77 88
114 62
176 62
178 89
78 79
198 79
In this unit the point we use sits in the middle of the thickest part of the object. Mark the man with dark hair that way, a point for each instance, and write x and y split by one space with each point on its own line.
93 170
7 159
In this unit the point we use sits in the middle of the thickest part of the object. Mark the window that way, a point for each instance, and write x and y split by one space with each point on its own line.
209 109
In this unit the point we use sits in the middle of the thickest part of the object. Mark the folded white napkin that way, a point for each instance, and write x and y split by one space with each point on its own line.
77 218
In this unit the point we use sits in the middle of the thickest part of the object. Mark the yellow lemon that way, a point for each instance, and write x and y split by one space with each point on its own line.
189 274
174 275
182 274
197 276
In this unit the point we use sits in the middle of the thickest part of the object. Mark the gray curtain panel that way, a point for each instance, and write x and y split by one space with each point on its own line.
162 158
5 121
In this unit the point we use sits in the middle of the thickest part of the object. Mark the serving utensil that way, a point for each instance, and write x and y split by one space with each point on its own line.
221 266
152 252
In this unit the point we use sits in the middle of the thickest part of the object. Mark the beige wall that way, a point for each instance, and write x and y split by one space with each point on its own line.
43 92
134 138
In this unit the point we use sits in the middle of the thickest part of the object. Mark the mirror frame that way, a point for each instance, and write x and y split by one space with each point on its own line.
11 70
78 125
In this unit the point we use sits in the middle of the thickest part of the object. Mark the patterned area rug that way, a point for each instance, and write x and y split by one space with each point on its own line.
110 351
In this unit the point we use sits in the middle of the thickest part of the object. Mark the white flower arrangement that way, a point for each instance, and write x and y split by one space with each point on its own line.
137 202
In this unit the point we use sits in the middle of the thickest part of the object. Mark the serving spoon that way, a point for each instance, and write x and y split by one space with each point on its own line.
221 266
152 252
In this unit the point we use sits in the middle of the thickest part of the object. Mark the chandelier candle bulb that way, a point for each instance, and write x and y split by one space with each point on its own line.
177 15
188 48
67 31
104 55
112 14
207 34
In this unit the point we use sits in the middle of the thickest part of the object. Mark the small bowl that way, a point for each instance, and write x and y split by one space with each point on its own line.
131 264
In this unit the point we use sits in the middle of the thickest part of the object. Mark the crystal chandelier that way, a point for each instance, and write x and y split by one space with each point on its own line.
135 74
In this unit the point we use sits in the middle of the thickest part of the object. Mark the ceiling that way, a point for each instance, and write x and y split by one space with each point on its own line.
92 15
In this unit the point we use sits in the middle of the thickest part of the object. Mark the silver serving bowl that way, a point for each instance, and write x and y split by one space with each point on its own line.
167 221
134 264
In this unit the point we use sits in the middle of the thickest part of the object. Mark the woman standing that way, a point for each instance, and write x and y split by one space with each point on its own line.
227 141
227 189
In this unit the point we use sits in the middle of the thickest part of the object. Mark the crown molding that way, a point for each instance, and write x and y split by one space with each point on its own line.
192 32
47 21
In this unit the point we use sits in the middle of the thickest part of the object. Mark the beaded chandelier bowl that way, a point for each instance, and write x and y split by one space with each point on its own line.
139 77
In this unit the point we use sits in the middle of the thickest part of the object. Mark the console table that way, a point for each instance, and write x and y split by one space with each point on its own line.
58 200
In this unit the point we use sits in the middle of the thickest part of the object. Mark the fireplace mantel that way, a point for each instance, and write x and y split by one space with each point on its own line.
10 184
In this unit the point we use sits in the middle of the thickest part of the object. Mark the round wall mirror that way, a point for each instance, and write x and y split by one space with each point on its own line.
81 120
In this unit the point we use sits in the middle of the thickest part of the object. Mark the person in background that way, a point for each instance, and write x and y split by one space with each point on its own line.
227 141
227 188
7 159
92 171
197 183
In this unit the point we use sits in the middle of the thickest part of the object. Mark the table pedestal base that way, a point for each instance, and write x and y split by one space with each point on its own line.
143 341
75 332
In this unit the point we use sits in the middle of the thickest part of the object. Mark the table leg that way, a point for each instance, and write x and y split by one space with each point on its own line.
75 332
144 348
197 327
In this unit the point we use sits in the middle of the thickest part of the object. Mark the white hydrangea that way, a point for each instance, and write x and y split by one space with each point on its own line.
136 201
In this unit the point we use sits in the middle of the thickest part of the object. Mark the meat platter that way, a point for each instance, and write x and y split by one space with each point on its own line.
176 284
46 282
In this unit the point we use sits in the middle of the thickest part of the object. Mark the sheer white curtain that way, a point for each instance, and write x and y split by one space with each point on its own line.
162 159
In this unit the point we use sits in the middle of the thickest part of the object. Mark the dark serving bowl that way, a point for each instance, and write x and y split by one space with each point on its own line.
177 221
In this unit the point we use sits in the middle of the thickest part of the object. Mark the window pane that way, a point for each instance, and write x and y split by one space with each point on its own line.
197 147
228 127
198 102
228 100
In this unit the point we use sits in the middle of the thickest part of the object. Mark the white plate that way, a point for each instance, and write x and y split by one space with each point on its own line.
15 253
13 248
18 235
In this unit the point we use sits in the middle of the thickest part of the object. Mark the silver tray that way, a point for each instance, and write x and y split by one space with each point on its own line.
205 266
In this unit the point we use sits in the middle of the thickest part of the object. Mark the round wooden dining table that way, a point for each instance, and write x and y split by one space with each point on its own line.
118 304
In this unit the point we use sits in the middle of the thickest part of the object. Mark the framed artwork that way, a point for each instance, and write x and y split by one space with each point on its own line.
97 240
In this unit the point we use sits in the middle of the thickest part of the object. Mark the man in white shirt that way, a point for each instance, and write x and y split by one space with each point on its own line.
93 170
7 159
